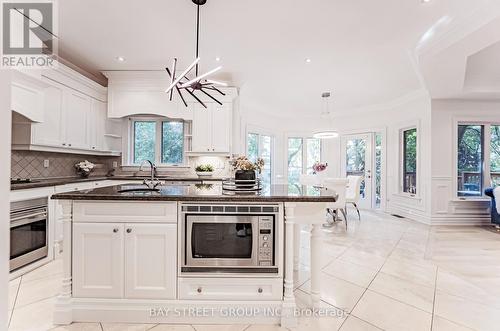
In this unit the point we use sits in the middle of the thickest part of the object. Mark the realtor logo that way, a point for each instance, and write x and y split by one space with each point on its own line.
28 35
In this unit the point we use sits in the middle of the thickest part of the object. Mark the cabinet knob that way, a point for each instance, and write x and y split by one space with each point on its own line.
69 145
199 290
115 230
260 290
129 230
64 144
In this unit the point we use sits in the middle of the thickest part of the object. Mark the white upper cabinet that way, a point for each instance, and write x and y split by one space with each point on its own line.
212 128
27 96
50 131
78 110
74 117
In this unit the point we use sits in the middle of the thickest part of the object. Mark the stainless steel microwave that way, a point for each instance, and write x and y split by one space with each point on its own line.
229 238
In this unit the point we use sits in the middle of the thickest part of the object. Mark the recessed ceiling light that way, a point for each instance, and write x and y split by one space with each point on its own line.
217 59
120 59
308 60
426 1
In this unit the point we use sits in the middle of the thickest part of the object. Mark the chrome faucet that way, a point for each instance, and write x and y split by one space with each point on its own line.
152 182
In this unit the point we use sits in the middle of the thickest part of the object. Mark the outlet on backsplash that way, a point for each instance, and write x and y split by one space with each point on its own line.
46 163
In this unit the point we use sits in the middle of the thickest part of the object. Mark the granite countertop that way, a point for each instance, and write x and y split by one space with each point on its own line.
71 180
202 192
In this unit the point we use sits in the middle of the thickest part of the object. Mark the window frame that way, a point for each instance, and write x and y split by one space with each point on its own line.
305 139
401 143
158 141
259 134
486 150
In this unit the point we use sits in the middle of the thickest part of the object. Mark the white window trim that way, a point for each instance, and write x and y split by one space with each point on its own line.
487 123
260 132
130 165
401 130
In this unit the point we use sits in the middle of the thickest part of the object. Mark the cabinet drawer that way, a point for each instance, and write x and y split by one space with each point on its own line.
125 212
238 289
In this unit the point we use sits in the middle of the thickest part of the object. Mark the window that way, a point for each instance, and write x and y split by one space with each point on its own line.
261 146
470 160
495 155
302 154
409 180
158 140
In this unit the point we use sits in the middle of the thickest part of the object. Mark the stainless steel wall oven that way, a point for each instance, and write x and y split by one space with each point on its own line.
28 232
229 238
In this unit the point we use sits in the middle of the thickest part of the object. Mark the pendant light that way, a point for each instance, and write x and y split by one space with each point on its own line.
326 116
200 83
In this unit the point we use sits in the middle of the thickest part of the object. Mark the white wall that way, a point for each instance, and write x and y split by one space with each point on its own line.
410 111
5 136
446 208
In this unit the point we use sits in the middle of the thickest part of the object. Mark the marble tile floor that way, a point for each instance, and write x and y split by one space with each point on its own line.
385 273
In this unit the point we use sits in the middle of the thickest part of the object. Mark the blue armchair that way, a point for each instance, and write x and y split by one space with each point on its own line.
495 217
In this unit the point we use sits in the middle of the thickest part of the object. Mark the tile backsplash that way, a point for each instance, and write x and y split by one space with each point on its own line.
30 164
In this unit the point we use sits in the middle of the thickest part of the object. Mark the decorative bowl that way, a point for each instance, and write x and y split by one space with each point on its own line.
204 173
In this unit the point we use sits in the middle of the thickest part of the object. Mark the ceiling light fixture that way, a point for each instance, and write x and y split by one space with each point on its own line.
200 82
308 60
120 59
325 114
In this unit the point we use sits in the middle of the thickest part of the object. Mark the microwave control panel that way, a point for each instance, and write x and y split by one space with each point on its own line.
266 240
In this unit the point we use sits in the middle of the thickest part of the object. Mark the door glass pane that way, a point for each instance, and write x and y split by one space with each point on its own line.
144 141
253 147
172 143
266 156
378 169
294 164
355 160
221 240
470 160
313 153
495 155
410 161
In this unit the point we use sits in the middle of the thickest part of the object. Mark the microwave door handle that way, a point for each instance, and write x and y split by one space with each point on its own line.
26 220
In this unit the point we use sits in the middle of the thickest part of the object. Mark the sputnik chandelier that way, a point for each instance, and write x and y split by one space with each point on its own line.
200 83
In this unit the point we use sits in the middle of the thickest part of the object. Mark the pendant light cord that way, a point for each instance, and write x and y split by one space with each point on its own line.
197 35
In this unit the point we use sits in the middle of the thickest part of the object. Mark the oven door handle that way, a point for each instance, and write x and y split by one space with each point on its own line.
23 220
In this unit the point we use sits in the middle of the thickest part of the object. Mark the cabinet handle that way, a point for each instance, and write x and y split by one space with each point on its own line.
69 145
129 230
199 290
260 290
115 230
64 144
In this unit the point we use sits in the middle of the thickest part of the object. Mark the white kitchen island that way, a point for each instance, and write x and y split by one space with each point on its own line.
124 261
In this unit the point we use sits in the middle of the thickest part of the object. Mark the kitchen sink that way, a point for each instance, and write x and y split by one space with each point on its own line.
138 189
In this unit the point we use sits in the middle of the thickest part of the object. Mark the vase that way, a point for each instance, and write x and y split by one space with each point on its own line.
84 174
244 178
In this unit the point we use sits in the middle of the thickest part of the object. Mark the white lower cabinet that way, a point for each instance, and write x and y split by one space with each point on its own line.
237 289
150 261
122 260
98 259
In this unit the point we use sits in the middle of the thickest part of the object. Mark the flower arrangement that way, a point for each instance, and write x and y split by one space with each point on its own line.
243 163
319 167
84 168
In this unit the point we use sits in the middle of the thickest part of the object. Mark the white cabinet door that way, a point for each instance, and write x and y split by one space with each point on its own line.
202 129
50 131
77 110
150 261
97 125
221 128
98 260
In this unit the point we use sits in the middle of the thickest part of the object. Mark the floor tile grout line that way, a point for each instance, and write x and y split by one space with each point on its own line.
15 301
366 289
100 325
434 299
37 301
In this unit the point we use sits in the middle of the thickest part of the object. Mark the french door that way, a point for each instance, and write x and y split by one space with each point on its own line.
361 156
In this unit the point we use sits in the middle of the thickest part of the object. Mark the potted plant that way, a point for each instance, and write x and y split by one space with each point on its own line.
204 170
84 168
245 169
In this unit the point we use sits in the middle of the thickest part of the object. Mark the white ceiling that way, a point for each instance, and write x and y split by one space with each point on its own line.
359 48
